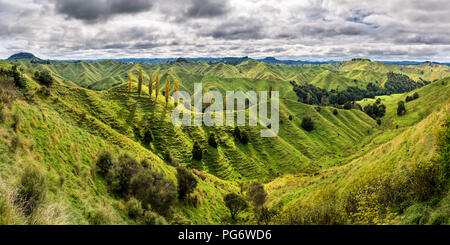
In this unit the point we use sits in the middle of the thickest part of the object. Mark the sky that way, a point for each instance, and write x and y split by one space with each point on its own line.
286 29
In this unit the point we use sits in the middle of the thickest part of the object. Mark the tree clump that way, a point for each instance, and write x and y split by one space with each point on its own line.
401 109
197 152
186 182
235 203
308 124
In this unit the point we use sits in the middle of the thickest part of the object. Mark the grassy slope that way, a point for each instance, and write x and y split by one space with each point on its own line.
391 151
54 137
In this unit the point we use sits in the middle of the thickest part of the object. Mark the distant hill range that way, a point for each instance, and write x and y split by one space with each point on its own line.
210 60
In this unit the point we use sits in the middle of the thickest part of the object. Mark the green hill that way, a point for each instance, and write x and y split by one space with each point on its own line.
61 130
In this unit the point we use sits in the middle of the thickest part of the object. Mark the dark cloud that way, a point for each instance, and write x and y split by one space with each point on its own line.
99 10
207 8
238 29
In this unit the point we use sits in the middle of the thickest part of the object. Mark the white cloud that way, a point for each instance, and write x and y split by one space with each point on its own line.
313 29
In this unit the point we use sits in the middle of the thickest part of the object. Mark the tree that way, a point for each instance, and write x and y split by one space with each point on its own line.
119 176
270 90
416 95
290 117
244 138
157 86
308 98
307 123
44 77
150 85
401 109
186 182
148 137
235 203
348 105
105 162
140 79
166 92
197 152
264 215
212 140
176 88
335 112
151 188
237 133
378 101
256 194
130 82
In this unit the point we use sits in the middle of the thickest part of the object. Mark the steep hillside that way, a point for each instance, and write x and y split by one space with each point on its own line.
392 179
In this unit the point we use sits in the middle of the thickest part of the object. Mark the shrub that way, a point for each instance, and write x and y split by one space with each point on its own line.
409 98
235 203
152 218
145 163
197 152
264 215
237 133
32 189
335 112
378 101
307 123
134 208
378 121
348 105
244 138
154 190
148 137
290 117
415 95
256 194
44 77
401 109
212 140
120 175
168 157
186 182
105 162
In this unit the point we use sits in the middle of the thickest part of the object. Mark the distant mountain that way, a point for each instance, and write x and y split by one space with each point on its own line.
27 56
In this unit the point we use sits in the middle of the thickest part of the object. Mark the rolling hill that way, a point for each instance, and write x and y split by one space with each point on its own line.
309 176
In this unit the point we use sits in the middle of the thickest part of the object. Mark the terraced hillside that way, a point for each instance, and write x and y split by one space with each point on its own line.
332 174
358 73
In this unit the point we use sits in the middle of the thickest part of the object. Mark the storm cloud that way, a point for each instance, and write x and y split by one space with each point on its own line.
97 10
289 29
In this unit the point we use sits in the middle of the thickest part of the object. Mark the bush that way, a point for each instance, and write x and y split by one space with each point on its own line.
401 109
154 190
409 98
168 157
197 152
256 194
237 133
378 101
244 138
348 105
32 189
152 218
378 121
148 137
44 77
119 176
307 124
235 203
186 182
290 117
335 112
105 162
134 208
415 95
212 140
264 215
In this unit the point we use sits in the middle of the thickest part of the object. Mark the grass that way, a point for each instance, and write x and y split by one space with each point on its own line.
62 129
